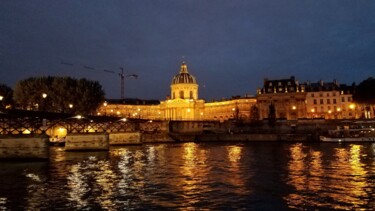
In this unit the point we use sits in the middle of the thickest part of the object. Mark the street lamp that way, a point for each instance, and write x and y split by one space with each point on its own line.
1 101
105 108
44 96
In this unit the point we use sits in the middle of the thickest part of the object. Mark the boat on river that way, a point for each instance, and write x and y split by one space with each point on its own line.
359 131
57 141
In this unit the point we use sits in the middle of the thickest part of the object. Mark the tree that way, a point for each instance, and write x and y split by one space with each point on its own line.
272 115
254 113
6 96
364 94
63 94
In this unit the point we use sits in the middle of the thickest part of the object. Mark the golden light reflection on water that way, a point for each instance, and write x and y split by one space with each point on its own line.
193 173
236 178
91 176
344 181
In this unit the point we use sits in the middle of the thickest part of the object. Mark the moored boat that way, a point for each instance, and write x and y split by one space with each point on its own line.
359 131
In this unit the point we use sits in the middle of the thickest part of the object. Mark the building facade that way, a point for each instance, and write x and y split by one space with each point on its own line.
292 100
286 95
331 101
183 104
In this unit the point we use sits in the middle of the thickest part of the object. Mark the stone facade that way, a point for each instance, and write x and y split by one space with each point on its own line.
286 95
183 104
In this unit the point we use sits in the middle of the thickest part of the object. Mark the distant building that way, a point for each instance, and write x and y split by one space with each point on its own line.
293 100
287 96
183 104
331 101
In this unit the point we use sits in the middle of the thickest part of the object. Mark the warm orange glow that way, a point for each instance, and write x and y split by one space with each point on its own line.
70 105
1 98
105 103
294 107
351 106
329 111
338 109
313 110
44 95
26 131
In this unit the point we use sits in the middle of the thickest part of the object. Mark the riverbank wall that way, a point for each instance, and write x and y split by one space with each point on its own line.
87 142
24 148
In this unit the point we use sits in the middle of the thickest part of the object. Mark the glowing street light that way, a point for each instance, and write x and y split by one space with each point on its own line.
294 107
44 95
70 106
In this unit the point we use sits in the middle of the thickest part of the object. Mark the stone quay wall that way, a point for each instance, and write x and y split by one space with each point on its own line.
28 148
127 138
87 141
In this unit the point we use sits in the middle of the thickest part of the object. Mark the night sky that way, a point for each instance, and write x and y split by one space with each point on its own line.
230 46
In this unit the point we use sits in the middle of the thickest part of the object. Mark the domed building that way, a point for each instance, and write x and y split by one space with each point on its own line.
183 104
184 85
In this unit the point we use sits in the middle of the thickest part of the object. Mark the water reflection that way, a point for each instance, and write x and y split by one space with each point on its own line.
191 176
194 171
342 185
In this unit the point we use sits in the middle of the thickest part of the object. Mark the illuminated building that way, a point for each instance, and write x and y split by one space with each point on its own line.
183 104
286 95
330 101
293 100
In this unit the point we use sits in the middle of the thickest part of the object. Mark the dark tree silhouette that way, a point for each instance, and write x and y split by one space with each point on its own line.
254 113
6 96
272 115
64 94
365 92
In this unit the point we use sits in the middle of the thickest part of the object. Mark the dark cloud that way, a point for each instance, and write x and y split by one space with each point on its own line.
230 46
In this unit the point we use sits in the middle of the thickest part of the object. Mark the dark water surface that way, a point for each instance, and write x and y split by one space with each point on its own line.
196 176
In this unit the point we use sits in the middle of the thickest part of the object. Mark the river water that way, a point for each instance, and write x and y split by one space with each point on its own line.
196 176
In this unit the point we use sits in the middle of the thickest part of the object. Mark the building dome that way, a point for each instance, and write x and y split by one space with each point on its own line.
184 77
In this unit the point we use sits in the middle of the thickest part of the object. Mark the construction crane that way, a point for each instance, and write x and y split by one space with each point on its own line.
121 74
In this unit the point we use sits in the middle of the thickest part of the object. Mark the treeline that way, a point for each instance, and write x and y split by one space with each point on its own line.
55 94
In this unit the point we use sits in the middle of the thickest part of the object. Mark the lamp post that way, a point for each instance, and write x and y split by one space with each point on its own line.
352 107
44 96
338 113
312 113
70 107
1 101
105 108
